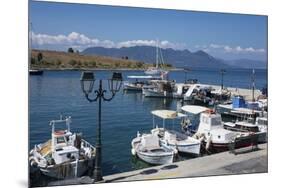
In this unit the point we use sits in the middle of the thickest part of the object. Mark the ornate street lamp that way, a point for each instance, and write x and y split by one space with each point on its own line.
87 84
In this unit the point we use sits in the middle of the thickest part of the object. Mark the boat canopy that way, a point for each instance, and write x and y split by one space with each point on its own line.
194 109
144 77
167 114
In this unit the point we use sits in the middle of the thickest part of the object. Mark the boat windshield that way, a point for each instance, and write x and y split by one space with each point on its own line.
262 122
216 121
60 140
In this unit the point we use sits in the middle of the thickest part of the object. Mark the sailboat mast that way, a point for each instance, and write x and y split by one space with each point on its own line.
157 53
29 43
253 86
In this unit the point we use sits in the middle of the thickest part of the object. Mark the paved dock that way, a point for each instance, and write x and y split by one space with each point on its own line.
225 163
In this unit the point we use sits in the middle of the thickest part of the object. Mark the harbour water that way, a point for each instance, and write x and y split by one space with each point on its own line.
59 92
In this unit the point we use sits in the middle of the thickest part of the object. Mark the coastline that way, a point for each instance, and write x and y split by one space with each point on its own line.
97 69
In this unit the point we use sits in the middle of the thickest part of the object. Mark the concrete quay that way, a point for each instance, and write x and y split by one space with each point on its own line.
226 163
245 161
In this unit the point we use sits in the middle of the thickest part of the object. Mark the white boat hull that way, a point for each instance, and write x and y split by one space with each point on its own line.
152 71
132 88
153 93
156 159
157 156
68 170
187 148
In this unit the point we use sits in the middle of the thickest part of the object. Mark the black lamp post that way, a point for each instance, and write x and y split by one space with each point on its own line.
87 84
222 73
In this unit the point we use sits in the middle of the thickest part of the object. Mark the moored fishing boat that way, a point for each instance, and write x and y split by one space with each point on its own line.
139 83
259 127
159 88
173 138
239 108
65 155
148 148
213 133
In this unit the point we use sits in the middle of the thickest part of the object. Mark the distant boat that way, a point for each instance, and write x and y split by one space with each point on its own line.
159 60
140 82
239 108
35 72
165 89
159 88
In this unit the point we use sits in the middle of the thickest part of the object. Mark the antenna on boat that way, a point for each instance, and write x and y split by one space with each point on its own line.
68 121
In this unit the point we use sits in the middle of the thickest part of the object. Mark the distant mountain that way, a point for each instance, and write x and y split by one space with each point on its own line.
177 58
247 63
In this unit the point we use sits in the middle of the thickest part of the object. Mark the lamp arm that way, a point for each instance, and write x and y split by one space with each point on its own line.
107 99
95 99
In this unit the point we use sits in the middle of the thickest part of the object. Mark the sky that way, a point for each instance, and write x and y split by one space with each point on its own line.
58 26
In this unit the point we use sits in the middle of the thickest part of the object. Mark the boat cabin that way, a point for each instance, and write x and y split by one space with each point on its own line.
62 147
261 121
192 119
212 128
209 120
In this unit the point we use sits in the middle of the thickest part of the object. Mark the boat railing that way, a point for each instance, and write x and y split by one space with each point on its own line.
236 129
87 144
67 122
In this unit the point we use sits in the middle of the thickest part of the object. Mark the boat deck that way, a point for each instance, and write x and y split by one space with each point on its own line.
46 148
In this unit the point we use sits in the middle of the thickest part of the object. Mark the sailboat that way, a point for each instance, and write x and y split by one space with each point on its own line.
159 60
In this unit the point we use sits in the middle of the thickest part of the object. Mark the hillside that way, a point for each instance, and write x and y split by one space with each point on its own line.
63 60
247 63
177 58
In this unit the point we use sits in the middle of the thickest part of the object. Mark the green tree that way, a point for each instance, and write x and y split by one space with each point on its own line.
93 64
117 64
72 62
32 60
139 64
39 56
70 50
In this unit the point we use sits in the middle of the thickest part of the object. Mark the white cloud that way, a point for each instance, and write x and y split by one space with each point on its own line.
215 46
80 41
237 49
227 48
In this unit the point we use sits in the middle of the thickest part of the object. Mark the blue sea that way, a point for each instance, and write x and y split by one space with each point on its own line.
59 92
